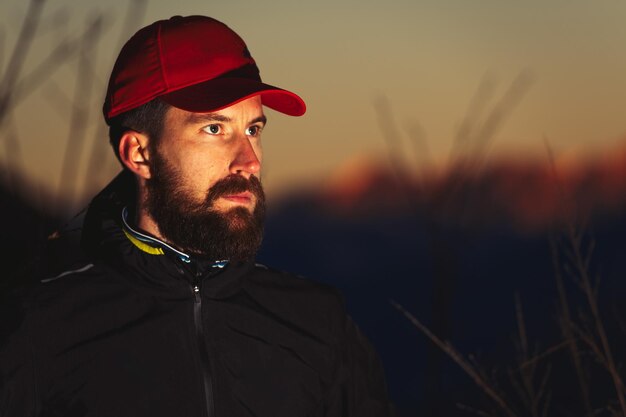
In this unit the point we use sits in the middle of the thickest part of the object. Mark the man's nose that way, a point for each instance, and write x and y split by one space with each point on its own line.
246 162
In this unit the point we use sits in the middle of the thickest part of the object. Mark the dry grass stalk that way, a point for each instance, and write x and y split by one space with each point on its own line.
595 335
535 397
17 81
530 396
135 12
459 360
590 293
81 111
477 133
540 356
472 410
566 328
18 56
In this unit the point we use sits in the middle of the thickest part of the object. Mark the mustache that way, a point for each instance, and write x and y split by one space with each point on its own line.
234 184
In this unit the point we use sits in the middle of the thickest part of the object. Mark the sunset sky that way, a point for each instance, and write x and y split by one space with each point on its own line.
426 58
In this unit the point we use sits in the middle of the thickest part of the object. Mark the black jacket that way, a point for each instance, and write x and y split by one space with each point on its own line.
123 332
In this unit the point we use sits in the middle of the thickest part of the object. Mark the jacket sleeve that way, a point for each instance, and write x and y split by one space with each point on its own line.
18 391
359 388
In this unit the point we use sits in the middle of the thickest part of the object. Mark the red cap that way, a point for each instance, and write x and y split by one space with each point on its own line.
195 63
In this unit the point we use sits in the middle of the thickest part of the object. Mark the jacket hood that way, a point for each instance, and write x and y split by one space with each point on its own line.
102 225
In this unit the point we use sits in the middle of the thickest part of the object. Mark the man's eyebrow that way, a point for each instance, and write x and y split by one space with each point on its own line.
212 117
260 119
207 117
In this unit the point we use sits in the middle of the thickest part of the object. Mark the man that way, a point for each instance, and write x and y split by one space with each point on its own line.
163 312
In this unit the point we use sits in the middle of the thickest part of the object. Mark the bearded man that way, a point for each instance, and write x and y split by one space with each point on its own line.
163 311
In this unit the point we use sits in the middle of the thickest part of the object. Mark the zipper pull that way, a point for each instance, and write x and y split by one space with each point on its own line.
196 292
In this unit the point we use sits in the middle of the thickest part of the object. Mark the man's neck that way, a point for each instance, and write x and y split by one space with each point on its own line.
147 224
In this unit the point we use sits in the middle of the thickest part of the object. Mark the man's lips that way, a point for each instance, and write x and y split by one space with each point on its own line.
242 198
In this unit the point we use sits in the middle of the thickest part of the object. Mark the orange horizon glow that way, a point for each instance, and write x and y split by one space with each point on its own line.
440 68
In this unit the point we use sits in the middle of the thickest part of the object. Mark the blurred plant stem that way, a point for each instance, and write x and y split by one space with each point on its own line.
18 56
467 156
577 264
19 80
467 367
76 136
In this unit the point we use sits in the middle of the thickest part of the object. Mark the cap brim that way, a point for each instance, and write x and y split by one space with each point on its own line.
220 93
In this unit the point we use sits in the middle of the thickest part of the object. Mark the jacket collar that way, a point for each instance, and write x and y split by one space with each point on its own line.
107 234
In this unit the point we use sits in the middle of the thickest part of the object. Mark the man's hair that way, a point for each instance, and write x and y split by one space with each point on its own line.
147 119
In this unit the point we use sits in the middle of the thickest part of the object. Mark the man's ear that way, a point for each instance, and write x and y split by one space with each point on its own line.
134 154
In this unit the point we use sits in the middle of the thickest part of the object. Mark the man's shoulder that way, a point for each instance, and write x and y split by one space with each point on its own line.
61 271
287 291
38 288
280 281
31 294
59 252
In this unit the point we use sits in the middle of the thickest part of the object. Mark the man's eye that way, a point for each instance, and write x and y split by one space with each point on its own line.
253 131
213 129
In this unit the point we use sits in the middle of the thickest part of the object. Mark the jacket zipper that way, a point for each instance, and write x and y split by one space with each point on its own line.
204 357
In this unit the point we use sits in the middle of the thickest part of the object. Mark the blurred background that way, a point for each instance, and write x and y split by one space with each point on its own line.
461 164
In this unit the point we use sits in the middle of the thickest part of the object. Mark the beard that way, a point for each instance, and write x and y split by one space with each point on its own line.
197 227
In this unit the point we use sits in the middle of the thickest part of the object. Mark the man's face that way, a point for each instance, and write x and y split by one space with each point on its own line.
204 193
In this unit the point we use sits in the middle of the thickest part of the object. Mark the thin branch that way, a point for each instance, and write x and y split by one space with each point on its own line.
55 59
2 46
18 56
458 358
59 18
135 13
511 98
521 327
472 410
544 383
527 373
587 259
588 339
58 100
532 361
392 136
14 153
546 404
519 388
599 326
478 102
566 330
417 137
97 162
80 115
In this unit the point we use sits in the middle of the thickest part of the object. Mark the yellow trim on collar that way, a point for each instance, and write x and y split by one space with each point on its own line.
143 246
